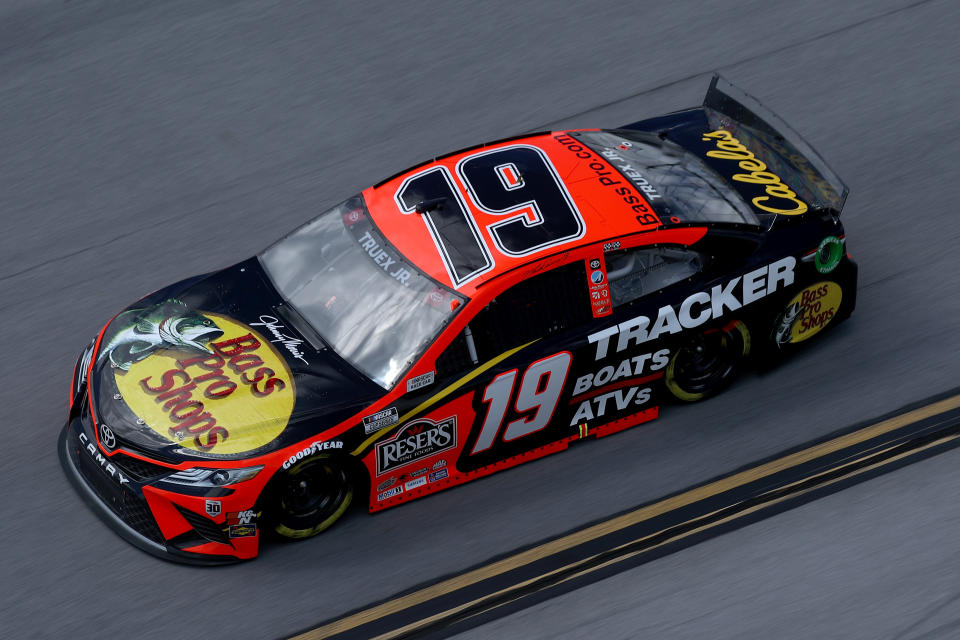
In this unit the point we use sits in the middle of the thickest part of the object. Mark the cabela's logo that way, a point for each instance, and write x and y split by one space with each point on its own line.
416 440
729 148
221 389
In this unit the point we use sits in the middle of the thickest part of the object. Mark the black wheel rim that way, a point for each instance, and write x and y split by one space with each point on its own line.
314 491
704 363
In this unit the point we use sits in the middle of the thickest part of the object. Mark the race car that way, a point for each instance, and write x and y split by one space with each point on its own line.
483 309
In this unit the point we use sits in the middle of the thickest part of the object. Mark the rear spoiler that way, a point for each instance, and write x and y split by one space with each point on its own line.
729 107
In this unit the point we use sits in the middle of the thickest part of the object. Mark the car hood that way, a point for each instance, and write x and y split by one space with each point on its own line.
218 367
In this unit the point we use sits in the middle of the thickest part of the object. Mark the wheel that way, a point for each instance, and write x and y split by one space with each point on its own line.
707 362
311 496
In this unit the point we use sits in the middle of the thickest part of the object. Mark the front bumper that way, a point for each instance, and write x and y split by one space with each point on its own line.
119 488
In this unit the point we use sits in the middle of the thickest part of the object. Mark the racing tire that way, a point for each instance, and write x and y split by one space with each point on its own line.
707 362
310 496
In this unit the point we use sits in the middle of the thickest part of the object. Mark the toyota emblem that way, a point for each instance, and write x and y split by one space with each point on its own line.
107 439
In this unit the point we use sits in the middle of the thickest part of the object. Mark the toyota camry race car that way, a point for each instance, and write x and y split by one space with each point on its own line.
477 311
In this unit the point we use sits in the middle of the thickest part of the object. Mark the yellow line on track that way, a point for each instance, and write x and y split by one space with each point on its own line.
627 520
680 536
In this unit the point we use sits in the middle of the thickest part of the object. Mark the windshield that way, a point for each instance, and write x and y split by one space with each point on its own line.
679 186
372 307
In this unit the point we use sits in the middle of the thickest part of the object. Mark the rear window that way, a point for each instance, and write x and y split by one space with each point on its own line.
679 186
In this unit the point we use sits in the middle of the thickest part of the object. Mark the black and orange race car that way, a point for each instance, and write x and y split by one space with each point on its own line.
480 310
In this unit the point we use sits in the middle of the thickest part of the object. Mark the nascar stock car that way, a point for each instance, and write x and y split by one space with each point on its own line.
479 310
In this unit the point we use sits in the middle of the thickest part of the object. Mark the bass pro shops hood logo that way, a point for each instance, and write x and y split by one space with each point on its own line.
203 380
167 325
416 440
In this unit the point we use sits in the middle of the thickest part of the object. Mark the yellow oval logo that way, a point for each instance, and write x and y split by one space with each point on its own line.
235 398
809 312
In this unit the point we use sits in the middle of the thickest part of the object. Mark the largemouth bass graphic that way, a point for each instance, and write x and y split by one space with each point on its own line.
782 335
167 325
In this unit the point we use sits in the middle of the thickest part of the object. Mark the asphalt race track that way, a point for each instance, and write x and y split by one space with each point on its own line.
145 141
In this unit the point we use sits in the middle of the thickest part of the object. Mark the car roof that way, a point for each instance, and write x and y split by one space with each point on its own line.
608 204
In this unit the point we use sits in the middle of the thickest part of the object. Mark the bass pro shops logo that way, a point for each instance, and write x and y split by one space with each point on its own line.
416 440
808 313
200 379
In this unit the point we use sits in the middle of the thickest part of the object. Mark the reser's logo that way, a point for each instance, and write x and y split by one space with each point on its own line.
416 440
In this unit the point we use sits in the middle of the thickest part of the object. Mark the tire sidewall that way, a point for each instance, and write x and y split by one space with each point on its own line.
738 337
295 527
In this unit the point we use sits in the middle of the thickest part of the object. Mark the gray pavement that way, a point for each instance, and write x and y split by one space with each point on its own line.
142 142
844 566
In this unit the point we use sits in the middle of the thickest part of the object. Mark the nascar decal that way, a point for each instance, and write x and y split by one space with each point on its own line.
808 313
697 308
203 380
421 381
376 421
729 148
415 440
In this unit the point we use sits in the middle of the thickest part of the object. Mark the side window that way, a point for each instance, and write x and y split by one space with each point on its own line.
543 305
633 273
